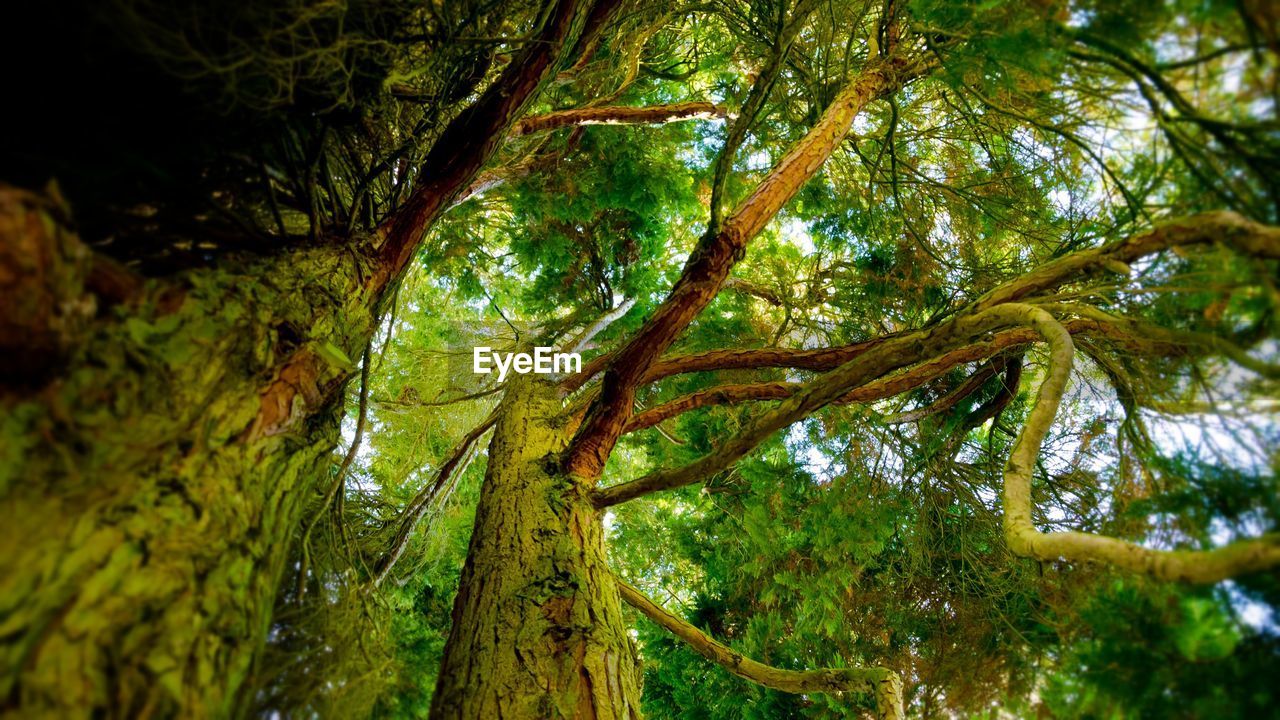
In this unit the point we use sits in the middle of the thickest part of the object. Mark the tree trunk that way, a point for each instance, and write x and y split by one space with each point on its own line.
537 626
150 488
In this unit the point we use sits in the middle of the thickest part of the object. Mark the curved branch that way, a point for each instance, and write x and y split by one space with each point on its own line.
1195 566
984 328
866 377
886 357
1246 236
882 684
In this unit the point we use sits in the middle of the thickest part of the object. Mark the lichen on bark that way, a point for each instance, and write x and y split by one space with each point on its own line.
537 624
145 522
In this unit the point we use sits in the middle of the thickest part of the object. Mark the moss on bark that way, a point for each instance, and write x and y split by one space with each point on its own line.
537 625
147 510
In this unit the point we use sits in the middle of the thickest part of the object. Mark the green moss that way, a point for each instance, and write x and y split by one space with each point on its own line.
158 524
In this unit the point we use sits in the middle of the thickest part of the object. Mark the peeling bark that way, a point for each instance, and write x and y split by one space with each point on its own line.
179 436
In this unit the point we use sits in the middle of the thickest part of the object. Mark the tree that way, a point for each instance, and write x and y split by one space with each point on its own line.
994 294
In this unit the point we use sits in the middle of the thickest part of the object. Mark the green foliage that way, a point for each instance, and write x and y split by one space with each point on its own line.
1141 651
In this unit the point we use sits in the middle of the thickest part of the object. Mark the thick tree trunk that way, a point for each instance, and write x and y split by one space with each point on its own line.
149 490
152 464
537 626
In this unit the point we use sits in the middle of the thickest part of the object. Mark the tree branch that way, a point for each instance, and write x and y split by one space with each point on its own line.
340 477
653 115
733 359
749 288
1246 236
454 464
892 354
864 378
951 398
713 258
470 139
973 334
754 103
1194 566
881 684
880 389
719 395
589 332
998 402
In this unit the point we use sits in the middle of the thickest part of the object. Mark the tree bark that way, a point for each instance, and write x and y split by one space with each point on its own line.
153 478
151 489
537 625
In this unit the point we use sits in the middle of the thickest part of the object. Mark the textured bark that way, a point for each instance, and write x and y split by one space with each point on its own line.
537 624
41 267
751 107
150 491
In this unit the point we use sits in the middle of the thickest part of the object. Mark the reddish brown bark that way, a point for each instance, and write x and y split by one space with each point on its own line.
466 144
826 359
471 139
710 263
965 338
